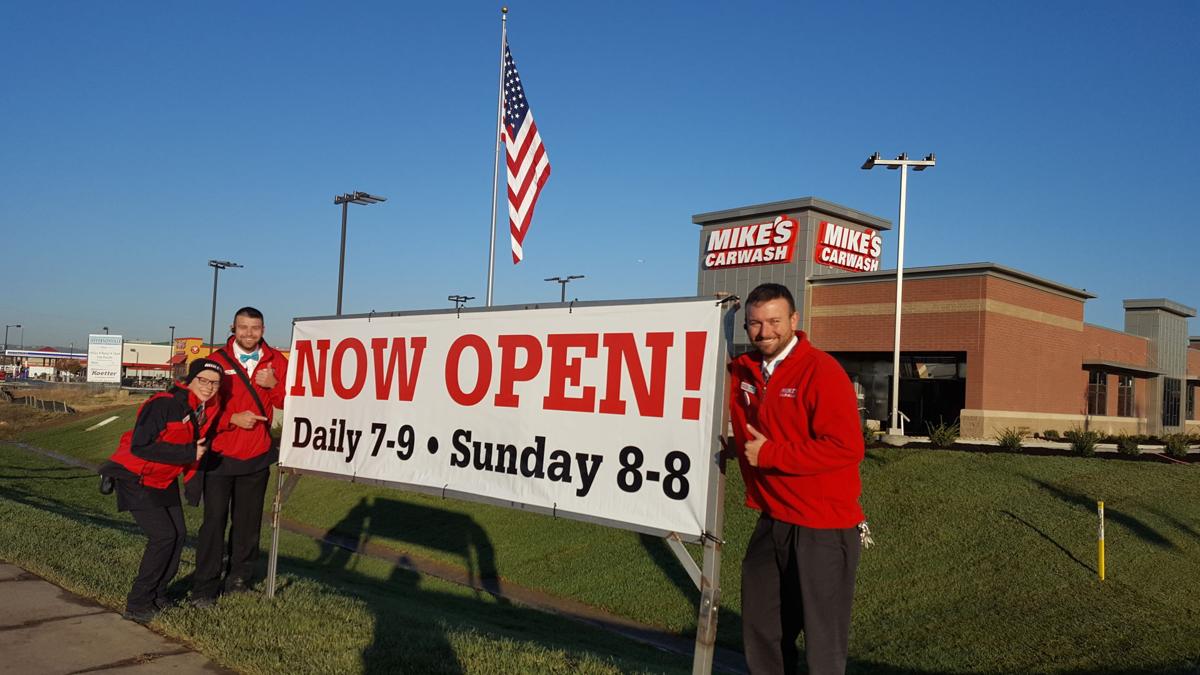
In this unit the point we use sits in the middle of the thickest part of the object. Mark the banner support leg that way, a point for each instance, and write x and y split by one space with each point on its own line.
282 490
710 602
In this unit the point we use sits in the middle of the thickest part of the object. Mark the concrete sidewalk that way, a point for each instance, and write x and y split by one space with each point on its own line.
45 629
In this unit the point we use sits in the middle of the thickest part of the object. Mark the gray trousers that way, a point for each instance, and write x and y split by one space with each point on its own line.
798 579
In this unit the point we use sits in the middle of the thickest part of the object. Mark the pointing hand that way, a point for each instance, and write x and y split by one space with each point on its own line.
246 419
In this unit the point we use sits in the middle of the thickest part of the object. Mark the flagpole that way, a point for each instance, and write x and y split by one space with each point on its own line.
496 168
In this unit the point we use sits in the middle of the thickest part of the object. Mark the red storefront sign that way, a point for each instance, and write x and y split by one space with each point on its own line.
847 248
769 243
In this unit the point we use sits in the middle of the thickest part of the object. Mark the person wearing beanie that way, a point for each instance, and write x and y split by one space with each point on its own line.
168 438
237 469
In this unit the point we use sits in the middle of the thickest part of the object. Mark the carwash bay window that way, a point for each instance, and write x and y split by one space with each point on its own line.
1097 392
1125 396
1170 410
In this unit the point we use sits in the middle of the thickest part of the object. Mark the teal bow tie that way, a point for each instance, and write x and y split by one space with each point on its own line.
248 357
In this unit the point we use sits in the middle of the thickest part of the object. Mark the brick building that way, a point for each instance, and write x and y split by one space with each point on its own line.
987 345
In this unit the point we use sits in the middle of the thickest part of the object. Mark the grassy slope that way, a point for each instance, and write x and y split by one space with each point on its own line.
985 563
333 614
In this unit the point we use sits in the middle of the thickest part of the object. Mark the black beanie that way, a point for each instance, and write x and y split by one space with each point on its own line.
200 365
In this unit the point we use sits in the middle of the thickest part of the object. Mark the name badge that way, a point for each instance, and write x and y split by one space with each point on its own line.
749 388
230 371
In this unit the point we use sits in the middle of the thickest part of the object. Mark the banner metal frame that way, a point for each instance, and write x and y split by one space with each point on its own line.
706 575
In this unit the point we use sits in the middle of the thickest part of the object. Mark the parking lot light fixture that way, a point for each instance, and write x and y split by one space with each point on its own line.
217 266
903 163
363 199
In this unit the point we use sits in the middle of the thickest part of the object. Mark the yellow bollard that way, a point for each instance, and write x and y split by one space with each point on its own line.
1100 510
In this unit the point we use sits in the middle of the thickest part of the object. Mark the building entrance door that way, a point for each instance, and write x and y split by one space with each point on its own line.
931 402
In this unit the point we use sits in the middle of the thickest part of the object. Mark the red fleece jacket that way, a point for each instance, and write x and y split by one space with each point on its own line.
235 442
807 471
162 444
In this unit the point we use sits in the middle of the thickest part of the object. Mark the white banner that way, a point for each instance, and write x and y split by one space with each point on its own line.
597 411
104 358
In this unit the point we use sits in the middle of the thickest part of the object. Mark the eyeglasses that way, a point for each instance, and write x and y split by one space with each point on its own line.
207 382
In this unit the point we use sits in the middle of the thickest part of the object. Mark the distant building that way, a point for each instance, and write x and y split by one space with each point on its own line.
981 343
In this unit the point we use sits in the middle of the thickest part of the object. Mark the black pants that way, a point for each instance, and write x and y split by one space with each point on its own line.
797 579
166 532
237 500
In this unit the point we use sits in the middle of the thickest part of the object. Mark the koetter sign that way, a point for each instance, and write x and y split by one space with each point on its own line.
767 243
847 248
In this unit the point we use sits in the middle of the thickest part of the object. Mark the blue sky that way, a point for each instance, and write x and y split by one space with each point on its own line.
142 139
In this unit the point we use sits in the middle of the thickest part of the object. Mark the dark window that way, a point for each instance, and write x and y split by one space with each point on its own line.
1125 395
1191 402
1097 393
1170 413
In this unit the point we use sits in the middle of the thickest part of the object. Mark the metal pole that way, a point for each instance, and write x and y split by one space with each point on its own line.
273 558
342 257
496 167
212 324
895 429
562 297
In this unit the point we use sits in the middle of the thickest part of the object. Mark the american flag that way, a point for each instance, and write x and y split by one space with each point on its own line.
528 166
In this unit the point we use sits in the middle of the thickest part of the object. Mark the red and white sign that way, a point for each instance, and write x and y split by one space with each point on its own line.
768 243
847 248
597 411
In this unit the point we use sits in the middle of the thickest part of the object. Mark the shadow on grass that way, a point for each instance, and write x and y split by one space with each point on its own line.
1141 530
435 529
65 509
1048 538
729 622
421 618
1175 522
40 469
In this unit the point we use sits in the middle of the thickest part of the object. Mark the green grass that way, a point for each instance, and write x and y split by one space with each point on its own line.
362 616
984 562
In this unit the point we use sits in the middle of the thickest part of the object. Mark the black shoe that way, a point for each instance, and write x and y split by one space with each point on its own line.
233 586
203 602
140 615
107 485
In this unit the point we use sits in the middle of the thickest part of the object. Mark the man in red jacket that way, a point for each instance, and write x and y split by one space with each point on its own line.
239 463
795 423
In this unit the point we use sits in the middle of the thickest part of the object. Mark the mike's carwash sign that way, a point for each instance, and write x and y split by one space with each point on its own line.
766 243
847 248
603 412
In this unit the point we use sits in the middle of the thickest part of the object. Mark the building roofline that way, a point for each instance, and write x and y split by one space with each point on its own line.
801 204
1120 366
961 270
1118 331
1159 303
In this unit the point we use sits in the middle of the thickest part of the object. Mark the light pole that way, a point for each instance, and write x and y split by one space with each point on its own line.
459 300
6 327
902 162
346 200
217 266
562 282
106 330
